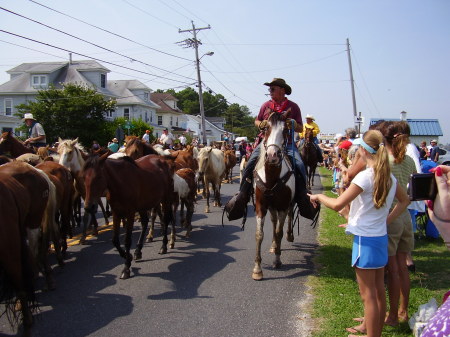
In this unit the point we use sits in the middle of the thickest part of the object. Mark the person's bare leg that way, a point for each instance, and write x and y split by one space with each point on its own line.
381 297
405 285
393 291
368 290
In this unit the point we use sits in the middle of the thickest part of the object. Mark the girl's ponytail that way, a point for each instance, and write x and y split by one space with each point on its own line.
382 171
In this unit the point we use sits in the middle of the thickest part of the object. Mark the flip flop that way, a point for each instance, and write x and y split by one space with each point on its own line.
354 330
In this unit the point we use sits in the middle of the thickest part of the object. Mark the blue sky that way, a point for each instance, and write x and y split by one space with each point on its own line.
400 50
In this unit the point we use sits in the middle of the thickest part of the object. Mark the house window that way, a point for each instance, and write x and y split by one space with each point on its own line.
8 106
126 113
159 120
146 96
146 117
103 80
5 129
177 122
151 117
171 121
109 114
39 80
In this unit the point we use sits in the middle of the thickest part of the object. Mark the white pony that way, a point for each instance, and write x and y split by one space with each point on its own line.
211 165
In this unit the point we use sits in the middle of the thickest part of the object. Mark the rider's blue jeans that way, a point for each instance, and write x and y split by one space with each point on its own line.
290 149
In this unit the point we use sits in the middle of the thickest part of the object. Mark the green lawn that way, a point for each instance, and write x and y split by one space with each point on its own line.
336 296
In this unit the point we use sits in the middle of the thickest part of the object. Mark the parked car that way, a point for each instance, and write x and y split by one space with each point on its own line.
444 159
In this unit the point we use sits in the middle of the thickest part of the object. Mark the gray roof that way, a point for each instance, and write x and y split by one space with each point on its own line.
66 73
419 127
49 67
122 89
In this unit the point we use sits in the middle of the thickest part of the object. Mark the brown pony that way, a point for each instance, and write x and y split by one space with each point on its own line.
8 143
230 162
133 186
16 268
66 192
309 157
274 189
185 184
41 214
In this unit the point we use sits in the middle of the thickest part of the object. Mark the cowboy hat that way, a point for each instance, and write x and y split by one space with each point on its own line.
115 140
433 141
28 116
310 117
279 82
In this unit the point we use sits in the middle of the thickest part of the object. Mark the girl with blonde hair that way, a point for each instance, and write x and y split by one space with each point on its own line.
370 196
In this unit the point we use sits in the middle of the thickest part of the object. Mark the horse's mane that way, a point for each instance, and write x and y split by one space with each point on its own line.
68 143
148 149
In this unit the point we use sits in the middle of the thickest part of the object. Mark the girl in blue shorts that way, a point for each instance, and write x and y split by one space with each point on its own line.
370 196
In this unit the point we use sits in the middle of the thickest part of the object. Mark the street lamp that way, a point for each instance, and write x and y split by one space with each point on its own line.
200 94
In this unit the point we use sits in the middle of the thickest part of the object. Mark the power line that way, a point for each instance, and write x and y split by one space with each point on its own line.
112 33
91 43
93 58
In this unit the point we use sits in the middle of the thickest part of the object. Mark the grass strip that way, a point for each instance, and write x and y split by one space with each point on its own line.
334 287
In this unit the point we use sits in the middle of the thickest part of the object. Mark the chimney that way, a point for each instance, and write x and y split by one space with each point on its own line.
403 115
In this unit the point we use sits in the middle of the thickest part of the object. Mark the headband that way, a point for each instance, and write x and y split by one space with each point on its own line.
367 147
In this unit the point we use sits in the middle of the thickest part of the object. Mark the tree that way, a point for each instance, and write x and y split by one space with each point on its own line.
239 121
71 112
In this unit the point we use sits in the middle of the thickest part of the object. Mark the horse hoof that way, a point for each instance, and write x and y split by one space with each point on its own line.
95 232
125 275
163 251
206 209
83 241
257 276
137 256
172 246
277 265
272 250
149 239
290 237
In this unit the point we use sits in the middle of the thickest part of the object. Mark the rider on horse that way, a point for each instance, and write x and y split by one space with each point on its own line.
310 124
279 103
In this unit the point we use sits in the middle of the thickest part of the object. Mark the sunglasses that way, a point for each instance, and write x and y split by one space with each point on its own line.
272 89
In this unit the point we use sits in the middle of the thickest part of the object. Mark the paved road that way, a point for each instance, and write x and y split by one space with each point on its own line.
203 287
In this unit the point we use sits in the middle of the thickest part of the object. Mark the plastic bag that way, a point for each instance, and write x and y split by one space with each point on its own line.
419 320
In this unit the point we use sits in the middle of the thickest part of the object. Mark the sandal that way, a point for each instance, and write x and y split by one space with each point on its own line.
355 330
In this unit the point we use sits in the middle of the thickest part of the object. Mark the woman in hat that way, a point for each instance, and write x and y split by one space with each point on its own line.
114 145
36 133
310 124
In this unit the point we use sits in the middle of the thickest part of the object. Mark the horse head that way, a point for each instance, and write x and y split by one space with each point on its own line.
309 136
70 152
274 137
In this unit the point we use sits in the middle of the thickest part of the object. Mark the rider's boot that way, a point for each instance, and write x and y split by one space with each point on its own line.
305 207
235 207
319 154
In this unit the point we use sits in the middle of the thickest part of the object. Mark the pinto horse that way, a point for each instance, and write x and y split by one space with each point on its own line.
211 165
309 156
133 186
9 143
16 268
274 185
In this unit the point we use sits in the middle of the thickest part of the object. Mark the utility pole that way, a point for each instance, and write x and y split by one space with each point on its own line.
195 43
353 86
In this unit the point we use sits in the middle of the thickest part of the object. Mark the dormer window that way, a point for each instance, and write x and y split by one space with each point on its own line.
39 80
146 96
103 80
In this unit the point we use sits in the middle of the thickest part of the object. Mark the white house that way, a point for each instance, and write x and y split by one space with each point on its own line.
213 133
27 78
133 101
